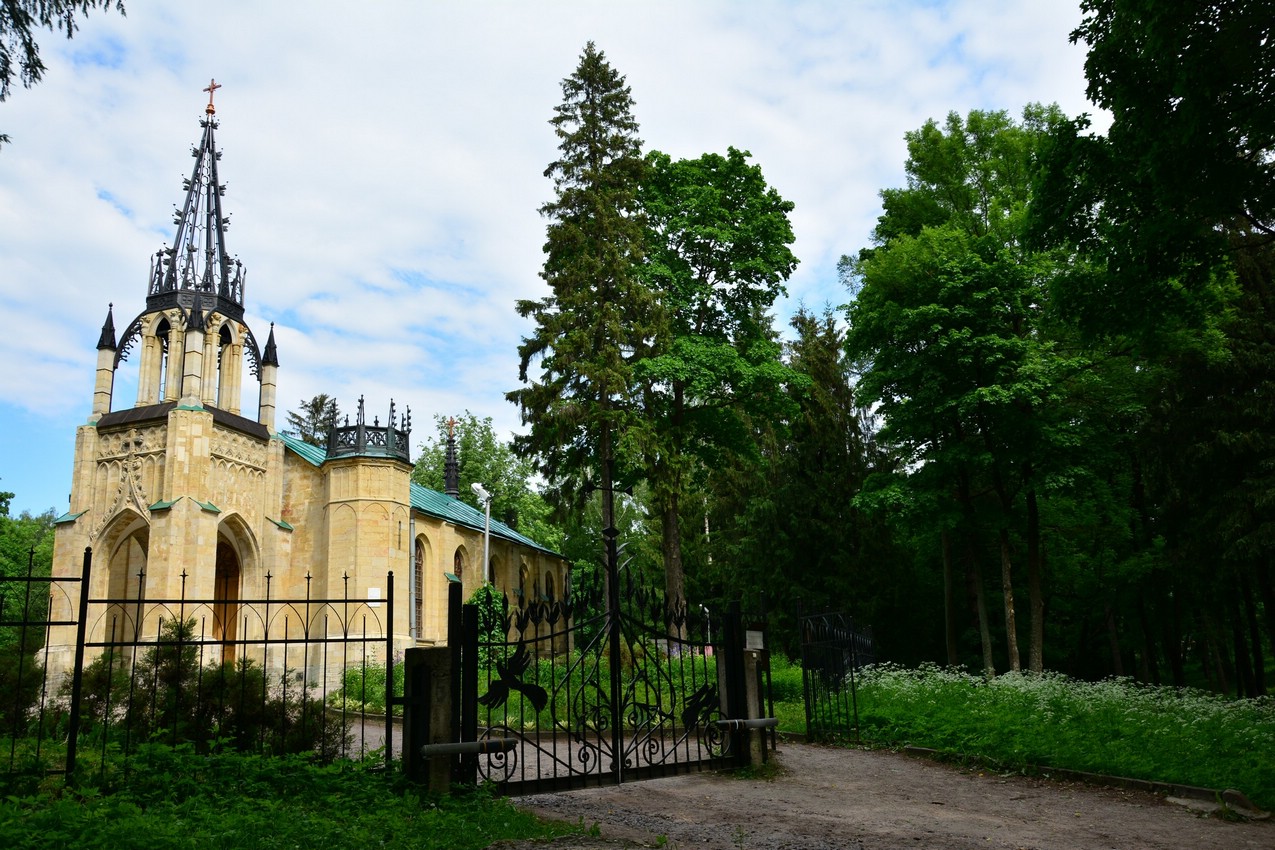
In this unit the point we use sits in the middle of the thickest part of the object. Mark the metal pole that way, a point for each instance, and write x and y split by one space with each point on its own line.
610 533
487 543
77 674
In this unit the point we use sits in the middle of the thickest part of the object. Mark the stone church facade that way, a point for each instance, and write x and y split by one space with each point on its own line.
183 496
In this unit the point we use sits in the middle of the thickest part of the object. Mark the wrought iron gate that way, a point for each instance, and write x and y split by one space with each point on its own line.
608 684
832 651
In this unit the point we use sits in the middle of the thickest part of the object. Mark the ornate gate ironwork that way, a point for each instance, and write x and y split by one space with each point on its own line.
832 651
598 688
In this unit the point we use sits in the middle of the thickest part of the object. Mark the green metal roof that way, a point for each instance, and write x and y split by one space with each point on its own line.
429 501
312 455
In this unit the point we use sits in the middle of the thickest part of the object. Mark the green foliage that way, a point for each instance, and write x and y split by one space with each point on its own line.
717 257
485 459
26 547
1184 166
166 696
783 521
21 682
174 798
363 688
314 420
1115 726
964 357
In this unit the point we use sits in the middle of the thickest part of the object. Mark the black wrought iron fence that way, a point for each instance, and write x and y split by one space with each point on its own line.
267 675
833 649
25 698
593 691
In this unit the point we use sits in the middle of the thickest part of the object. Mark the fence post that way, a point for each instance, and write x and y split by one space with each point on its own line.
77 673
469 692
455 631
613 644
736 702
389 670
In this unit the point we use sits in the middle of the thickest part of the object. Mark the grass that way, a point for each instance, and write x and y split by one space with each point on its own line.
1115 726
173 798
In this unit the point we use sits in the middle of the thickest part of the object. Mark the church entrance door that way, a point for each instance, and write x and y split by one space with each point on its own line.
226 600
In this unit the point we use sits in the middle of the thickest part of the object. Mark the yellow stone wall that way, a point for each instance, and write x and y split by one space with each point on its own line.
344 525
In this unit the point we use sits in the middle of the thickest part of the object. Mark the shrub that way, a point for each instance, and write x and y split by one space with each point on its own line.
167 696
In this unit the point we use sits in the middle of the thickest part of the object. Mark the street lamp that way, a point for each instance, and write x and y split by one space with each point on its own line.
485 498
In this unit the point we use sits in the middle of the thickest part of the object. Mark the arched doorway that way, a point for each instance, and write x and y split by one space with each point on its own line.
128 542
226 599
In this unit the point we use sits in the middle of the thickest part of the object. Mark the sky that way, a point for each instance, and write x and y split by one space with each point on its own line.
385 161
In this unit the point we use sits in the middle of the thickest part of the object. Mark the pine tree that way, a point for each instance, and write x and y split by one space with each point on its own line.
599 316
313 420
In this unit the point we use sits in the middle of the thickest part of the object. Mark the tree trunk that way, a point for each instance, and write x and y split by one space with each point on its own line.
1221 659
1173 642
1254 637
1151 667
1011 619
1035 591
1243 666
974 574
949 602
674 577
1267 591
1113 638
974 583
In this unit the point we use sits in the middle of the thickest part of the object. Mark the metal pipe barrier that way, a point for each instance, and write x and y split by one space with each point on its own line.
490 745
755 723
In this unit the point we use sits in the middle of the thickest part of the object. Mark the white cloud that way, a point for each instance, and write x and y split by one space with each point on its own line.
384 165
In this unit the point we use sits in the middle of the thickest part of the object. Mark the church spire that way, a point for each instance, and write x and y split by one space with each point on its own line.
198 260
451 467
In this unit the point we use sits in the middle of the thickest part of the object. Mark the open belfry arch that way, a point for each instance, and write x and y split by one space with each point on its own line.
182 496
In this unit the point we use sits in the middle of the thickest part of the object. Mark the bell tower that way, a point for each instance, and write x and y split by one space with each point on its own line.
192 337
180 491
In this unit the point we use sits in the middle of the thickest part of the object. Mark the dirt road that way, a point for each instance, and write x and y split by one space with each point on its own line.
878 800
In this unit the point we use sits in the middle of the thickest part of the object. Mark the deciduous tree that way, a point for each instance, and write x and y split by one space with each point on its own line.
718 254
950 321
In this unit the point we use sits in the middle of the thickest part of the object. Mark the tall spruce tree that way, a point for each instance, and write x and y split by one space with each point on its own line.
599 315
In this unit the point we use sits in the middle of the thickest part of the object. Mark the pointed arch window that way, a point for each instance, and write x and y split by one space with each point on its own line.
418 587
163 333
458 563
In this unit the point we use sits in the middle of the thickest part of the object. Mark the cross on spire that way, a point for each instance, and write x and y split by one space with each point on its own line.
213 85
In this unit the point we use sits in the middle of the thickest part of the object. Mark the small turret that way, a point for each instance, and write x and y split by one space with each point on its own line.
104 384
269 380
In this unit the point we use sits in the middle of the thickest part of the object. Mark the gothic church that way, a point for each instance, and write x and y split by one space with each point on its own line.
183 496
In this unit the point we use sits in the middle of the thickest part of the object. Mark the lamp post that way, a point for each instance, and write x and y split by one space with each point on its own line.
485 498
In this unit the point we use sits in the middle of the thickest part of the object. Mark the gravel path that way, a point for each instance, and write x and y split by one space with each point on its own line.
879 800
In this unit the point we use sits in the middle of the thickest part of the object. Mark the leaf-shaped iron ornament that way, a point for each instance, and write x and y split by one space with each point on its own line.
511 674
700 706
